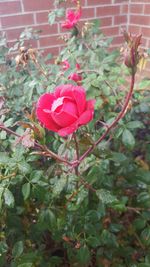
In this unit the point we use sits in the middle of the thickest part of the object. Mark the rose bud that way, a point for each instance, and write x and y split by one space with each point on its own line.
75 77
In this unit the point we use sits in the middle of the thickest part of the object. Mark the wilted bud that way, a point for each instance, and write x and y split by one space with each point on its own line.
131 52
24 55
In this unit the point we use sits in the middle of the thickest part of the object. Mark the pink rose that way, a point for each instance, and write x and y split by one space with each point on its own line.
72 17
65 110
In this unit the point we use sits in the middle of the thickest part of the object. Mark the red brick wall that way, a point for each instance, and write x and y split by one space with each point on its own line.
16 15
139 19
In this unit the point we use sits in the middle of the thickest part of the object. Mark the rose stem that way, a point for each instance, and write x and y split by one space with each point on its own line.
114 123
77 156
47 153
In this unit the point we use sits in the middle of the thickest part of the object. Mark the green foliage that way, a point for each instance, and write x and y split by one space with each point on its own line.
50 216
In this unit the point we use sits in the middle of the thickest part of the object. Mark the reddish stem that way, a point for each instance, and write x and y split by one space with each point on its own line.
47 153
114 123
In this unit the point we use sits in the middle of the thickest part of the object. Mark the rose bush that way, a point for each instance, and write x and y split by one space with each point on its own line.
83 200
65 110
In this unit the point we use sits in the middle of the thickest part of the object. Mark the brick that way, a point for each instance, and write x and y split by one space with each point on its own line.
118 41
144 42
98 2
111 31
70 4
134 29
107 11
27 43
13 34
51 41
136 8
105 21
145 31
124 9
140 20
87 12
46 29
143 1
42 17
35 5
9 7
52 50
147 9
120 19
18 20
120 1
31 43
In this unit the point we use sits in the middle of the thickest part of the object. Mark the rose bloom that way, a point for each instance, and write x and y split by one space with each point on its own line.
65 110
72 17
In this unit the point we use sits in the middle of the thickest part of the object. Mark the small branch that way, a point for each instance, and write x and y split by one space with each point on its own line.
87 185
77 153
46 151
138 240
37 64
7 176
9 131
76 146
114 123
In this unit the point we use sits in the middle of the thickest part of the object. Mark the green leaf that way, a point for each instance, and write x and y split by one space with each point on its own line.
105 196
143 176
59 185
3 135
118 157
145 236
26 190
143 265
24 167
83 255
3 247
128 139
144 83
139 224
4 159
51 18
27 264
93 241
17 249
134 124
9 122
9 198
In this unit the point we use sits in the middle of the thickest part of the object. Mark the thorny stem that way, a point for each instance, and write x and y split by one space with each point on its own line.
114 123
46 152
77 153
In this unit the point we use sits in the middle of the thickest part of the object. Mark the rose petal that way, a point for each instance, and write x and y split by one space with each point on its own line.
77 93
85 117
63 118
63 90
90 104
68 130
80 98
46 100
70 107
43 106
